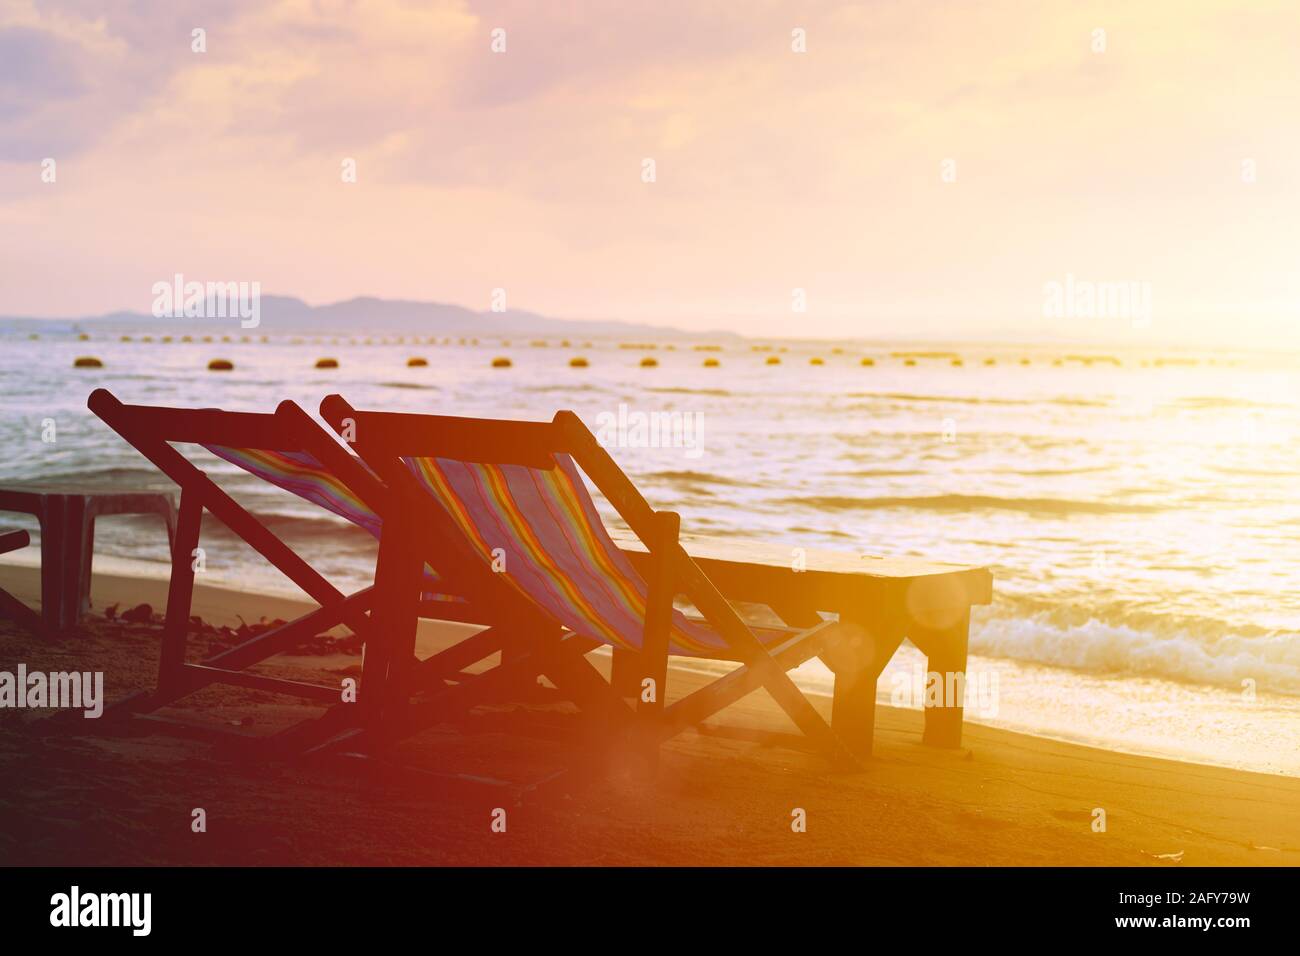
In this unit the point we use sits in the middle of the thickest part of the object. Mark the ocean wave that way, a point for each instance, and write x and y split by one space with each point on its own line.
1049 472
976 400
146 478
1051 506
415 386
715 392
1217 657
1216 401
876 473
697 477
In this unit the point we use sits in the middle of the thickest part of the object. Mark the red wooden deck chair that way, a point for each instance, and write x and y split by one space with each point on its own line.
276 448
510 496
10 607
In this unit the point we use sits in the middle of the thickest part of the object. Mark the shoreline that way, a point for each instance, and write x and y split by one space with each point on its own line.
1127 701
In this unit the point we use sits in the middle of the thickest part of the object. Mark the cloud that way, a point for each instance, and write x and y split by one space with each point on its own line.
69 76
775 170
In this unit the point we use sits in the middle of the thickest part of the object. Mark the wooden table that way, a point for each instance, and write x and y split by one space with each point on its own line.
67 519
887 598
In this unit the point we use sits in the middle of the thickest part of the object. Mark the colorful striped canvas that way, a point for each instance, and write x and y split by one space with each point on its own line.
555 547
303 475
543 523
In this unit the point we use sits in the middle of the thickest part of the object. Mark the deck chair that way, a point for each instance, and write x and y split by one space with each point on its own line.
11 540
510 497
273 448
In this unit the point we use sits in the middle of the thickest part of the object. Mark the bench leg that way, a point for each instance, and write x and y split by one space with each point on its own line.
63 531
945 652
86 561
857 663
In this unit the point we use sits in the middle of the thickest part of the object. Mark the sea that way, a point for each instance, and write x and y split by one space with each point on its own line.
1139 508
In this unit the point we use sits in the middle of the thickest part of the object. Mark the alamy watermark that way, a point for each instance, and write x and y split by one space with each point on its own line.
976 691
75 908
179 299
1085 299
37 690
626 428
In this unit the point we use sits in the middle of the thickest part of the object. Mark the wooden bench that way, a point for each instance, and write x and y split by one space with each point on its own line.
890 599
67 519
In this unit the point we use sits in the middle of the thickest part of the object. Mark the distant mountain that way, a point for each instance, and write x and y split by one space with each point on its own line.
366 315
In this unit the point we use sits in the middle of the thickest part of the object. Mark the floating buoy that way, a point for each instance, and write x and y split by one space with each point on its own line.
958 362
165 338
909 361
83 337
416 363
126 338
773 360
649 362
711 363
327 363
147 338
1024 361
578 362
33 336
868 361
837 351
221 365
990 361
815 360
87 361
537 344
501 362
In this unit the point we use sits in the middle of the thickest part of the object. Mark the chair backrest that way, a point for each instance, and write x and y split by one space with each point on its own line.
271 447
514 494
151 430
306 476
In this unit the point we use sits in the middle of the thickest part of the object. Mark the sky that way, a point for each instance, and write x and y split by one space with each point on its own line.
942 169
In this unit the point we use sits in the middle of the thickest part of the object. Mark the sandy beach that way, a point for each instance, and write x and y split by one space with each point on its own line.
718 799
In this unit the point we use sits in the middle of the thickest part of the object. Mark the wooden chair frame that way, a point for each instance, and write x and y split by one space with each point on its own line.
150 430
11 540
383 438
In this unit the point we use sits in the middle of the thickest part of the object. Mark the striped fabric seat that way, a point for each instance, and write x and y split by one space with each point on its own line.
306 477
555 547
543 523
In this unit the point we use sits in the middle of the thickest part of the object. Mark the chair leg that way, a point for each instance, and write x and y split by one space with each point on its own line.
180 593
792 700
16 610
579 680
625 673
388 676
